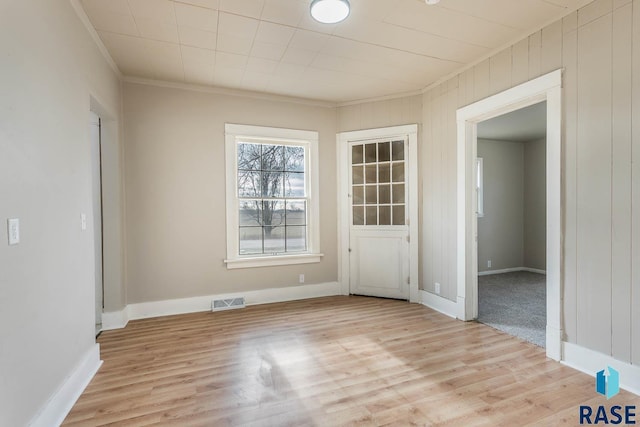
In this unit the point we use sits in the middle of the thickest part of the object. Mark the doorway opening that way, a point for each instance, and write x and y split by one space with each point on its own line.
377 184
96 196
511 216
545 88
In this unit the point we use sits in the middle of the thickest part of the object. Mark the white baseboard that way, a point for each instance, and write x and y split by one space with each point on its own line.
511 270
590 362
56 409
115 319
196 304
440 304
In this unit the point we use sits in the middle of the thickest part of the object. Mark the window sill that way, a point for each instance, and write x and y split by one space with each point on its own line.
271 261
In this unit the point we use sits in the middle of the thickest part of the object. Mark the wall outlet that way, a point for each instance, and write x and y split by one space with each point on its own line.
83 221
301 278
13 230
437 288
489 264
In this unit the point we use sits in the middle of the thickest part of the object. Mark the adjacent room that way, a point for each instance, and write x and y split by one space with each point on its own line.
269 212
512 223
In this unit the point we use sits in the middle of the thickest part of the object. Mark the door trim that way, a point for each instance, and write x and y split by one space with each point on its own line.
545 88
342 144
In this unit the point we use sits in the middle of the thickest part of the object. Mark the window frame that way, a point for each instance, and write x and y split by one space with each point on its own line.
234 134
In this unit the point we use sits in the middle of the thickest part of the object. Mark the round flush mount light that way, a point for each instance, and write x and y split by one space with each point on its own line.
432 1
330 11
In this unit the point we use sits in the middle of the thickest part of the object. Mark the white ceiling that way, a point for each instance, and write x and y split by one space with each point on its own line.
384 47
526 124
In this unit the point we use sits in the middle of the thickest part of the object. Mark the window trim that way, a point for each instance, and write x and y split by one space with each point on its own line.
308 139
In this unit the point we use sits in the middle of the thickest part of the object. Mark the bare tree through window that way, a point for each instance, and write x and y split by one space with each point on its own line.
271 189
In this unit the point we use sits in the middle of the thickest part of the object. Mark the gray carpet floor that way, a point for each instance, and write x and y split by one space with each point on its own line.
515 303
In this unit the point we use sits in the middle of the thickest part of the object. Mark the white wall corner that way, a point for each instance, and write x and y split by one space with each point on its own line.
59 405
590 362
115 319
440 304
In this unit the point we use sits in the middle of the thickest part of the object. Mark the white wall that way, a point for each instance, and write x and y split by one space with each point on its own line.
535 205
50 68
501 229
175 191
598 48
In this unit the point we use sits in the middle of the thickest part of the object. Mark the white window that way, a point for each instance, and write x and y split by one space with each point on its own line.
272 196
479 187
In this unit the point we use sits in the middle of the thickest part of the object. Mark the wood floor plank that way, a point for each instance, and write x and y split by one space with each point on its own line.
324 362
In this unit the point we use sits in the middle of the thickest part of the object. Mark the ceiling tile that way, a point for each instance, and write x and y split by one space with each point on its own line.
274 33
303 39
227 77
298 56
238 26
265 66
268 50
154 10
196 17
233 44
248 8
521 14
288 12
157 30
209 4
194 55
120 7
195 37
230 60
114 23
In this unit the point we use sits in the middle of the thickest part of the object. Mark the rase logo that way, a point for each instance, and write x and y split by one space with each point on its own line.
609 386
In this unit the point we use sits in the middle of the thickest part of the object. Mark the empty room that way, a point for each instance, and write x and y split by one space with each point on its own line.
285 212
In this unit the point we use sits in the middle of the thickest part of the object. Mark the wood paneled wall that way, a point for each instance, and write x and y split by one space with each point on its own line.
599 48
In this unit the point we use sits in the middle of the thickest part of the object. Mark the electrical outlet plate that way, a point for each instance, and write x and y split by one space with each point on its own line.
437 286
301 278
13 230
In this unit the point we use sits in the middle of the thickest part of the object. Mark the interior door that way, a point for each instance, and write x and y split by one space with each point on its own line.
96 190
379 232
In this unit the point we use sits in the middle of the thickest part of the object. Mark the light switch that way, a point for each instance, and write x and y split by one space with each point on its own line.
13 230
83 221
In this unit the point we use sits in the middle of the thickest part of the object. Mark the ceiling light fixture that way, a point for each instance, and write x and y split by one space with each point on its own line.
432 1
330 11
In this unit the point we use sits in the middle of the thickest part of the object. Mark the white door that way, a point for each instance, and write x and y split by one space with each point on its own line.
96 190
378 226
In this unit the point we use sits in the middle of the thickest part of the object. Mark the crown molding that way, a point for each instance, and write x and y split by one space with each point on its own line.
230 91
380 98
82 15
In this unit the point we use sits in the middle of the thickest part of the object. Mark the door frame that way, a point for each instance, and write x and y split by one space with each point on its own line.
342 155
545 88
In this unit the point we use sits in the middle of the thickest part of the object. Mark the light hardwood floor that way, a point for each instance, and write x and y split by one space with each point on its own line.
325 362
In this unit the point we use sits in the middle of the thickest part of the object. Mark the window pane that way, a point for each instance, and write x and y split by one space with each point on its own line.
356 154
248 184
250 240
398 215
371 194
358 195
358 215
296 213
384 173
372 215
272 157
273 239
296 238
249 156
384 152
398 150
371 174
272 184
385 194
250 213
357 175
272 213
294 159
294 184
370 153
398 172
398 193
385 215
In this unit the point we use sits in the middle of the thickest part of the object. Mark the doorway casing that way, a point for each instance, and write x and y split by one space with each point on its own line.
545 88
